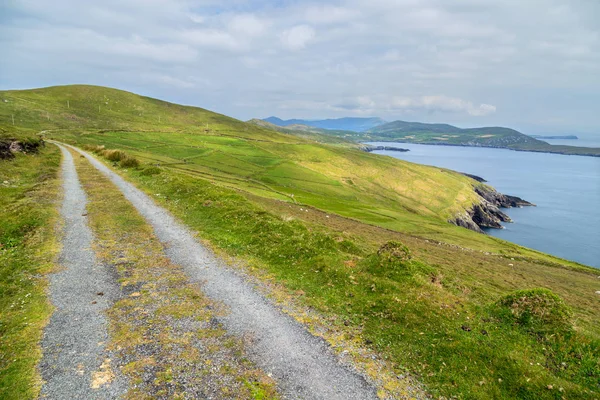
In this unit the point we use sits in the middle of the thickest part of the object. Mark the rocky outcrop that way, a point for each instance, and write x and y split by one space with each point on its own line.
8 147
487 213
477 178
499 199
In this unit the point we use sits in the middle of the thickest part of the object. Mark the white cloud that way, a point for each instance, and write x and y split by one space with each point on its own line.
388 58
327 14
297 37
247 24
210 38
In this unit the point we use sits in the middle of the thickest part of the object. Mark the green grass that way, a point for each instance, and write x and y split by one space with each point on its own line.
28 215
312 217
160 304
424 318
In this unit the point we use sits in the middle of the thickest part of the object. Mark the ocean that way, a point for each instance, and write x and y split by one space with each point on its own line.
566 190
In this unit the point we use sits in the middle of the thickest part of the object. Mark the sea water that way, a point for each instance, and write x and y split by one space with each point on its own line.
565 188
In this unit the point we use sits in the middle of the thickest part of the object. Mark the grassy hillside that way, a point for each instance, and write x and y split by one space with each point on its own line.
416 132
323 225
309 132
378 190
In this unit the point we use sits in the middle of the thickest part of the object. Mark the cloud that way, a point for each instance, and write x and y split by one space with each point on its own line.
297 37
247 24
400 104
328 14
438 61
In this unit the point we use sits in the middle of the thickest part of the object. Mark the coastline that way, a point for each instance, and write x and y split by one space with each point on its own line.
563 152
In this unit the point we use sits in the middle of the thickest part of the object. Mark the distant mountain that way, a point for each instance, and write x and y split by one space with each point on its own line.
418 132
344 124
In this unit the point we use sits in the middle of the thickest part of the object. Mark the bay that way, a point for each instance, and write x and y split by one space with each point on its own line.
566 190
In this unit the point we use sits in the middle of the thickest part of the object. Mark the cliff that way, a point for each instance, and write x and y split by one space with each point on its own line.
487 213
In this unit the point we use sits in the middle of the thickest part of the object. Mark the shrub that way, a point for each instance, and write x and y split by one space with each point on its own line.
394 251
114 155
93 148
129 162
538 311
149 171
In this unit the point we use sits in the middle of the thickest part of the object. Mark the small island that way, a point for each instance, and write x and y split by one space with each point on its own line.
369 148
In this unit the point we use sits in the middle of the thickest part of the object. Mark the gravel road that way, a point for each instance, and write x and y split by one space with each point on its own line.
303 365
75 363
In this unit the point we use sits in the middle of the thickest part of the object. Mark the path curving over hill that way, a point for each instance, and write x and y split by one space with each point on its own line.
303 365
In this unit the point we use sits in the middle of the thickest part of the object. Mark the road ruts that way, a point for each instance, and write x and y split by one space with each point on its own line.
75 363
303 365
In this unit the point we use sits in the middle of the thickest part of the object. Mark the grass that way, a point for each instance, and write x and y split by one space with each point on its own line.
436 322
28 247
162 329
311 219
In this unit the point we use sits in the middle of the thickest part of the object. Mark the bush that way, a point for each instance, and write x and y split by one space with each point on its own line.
538 311
129 162
394 251
149 171
93 148
114 155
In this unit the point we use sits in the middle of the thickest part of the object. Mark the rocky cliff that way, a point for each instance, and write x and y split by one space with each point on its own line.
487 213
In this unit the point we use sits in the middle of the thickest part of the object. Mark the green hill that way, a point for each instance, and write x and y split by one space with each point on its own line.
416 132
445 134
360 244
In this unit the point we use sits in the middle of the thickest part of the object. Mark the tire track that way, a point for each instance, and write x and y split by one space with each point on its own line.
303 365
75 363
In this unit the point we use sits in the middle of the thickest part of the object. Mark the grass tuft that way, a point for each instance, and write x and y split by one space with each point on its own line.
538 311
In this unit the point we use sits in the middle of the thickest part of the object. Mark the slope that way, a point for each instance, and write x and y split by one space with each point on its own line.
375 189
320 226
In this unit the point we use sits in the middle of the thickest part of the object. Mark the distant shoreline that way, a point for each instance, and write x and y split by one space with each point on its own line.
566 137
579 152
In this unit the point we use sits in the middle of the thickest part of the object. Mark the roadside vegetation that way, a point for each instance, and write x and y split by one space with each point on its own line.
28 248
457 334
357 244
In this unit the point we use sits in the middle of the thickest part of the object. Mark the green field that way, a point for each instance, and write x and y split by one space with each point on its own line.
313 219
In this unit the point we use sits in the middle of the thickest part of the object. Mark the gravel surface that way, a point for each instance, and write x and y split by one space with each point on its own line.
75 363
303 365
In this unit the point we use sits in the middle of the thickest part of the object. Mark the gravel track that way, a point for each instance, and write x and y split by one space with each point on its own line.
303 365
73 345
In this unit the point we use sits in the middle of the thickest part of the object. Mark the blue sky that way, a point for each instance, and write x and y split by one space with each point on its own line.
533 65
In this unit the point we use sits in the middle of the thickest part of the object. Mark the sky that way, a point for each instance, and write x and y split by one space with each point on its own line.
532 65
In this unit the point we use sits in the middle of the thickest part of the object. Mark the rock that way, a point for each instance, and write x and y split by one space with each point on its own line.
487 213
499 199
477 178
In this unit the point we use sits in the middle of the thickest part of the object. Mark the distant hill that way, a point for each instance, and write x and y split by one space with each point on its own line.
310 132
445 134
344 124
417 132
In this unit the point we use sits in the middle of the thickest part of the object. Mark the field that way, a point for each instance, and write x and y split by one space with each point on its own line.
357 244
